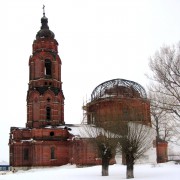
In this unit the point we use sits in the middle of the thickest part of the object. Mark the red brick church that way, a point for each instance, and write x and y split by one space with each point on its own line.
47 140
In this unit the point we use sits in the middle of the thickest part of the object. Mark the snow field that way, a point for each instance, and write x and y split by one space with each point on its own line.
166 171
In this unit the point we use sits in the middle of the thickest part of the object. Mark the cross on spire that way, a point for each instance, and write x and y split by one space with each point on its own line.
44 10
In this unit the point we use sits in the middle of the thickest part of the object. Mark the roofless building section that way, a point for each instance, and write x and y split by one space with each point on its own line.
118 87
118 100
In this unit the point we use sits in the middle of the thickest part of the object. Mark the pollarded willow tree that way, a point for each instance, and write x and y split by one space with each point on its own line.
105 141
134 140
133 134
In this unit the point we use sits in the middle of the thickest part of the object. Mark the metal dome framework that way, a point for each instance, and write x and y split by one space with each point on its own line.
101 90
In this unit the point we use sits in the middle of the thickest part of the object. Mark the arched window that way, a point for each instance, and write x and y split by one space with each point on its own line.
48 113
48 71
52 153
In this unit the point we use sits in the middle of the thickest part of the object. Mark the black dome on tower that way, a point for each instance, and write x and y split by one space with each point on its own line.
44 32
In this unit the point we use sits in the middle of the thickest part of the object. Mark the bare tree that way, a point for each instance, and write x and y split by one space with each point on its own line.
165 67
161 120
135 135
165 92
134 140
105 141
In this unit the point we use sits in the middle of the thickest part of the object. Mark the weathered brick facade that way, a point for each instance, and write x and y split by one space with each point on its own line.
39 147
118 100
161 150
45 99
43 142
46 140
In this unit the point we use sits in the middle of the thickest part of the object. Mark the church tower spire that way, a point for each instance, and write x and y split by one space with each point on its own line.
45 99
44 32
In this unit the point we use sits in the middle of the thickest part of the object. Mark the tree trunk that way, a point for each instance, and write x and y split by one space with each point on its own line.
130 171
105 166
130 166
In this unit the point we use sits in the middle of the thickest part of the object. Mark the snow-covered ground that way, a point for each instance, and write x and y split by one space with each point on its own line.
166 171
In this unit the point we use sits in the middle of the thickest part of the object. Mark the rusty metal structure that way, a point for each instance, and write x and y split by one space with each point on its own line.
118 99
118 87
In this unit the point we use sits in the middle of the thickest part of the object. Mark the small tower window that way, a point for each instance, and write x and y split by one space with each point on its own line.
26 154
48 67
48 99
52 153
48 113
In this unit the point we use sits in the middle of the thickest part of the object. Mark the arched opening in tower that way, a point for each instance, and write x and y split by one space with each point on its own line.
48 71
48 113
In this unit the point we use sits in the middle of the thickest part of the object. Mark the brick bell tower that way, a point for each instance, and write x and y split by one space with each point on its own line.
45 99
45 139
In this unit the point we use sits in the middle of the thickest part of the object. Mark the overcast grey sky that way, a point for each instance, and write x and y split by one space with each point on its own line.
98 40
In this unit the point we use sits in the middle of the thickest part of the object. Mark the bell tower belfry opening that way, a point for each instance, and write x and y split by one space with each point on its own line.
45 99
